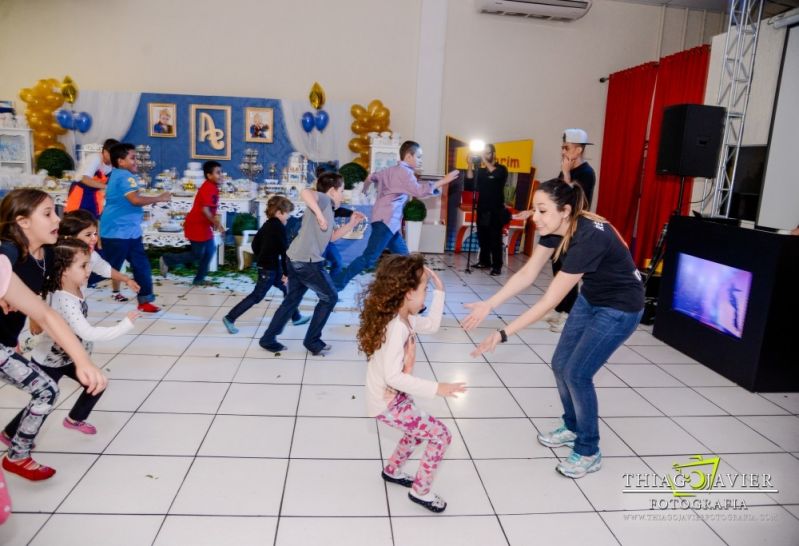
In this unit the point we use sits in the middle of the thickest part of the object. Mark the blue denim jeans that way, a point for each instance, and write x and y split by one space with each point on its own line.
302 276
591 334
267 278
380 239
116 251
200 253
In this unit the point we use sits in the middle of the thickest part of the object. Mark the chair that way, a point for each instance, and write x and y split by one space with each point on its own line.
246 245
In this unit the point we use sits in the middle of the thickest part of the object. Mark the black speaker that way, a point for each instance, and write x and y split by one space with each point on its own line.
690 140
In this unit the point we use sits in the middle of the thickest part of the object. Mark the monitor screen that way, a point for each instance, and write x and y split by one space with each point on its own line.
712 293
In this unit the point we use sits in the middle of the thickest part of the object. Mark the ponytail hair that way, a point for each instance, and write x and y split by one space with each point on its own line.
571 194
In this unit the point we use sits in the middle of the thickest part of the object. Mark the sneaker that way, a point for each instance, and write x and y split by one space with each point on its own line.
162 267
552 316
302 320
148 308
431 501
557 438
5 440
320 352
80 426
495 272
558 325
116 296
231 328
577 466
400 478
481 266
275 347
28 469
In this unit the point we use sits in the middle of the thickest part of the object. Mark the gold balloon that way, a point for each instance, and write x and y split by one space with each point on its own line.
355 146
362 162
357 111
69 90
358 127
317 96
374 106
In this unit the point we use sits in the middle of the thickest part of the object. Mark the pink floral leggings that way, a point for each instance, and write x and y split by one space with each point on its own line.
418 426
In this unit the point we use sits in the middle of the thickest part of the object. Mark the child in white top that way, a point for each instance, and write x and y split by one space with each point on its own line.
70 274
387 335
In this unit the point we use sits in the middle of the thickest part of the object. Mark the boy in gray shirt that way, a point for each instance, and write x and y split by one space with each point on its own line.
306 264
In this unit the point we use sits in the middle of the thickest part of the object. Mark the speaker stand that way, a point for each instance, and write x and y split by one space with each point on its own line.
660 247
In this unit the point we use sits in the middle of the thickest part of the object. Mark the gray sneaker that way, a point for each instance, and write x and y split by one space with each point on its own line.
162 266
559 437
577 466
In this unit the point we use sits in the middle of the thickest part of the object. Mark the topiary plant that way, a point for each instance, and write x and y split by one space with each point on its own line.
414 211
55 162
243 221
352 173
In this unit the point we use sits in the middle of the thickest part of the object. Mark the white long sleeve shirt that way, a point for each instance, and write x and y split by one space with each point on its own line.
99 266
384 375
74 310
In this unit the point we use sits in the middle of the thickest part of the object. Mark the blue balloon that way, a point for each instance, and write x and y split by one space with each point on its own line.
65 119
307 122
322 120
83 122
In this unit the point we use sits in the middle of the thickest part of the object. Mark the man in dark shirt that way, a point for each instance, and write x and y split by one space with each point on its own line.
491 213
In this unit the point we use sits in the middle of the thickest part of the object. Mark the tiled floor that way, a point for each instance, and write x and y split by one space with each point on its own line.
204 438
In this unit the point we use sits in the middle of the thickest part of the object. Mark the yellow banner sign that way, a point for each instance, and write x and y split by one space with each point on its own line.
516 155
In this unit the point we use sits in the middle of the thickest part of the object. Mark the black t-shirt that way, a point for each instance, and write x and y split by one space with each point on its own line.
270 245
610 278
585 176
490 187
33 273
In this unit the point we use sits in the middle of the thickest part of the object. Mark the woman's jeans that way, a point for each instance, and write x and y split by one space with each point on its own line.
591 334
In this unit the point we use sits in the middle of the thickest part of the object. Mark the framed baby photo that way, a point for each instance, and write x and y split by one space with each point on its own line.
162 120
259 125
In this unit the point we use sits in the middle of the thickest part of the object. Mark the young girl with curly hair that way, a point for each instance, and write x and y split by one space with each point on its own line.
387 335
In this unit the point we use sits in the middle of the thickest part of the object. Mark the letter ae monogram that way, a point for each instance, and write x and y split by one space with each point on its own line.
209 132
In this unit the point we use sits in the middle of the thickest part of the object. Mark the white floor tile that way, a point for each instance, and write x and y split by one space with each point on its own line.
227 486
120 395
295 350
322 488
20 528
125 366
45 496
294 531
210 346
643 375
739 401
334 372
544 351
159 345
161 434
557 529
680 401
539 402
787 400
276 370
213 531
321 438
171 327
783 430
525 375
513 353
128 485
55 437
659 528
501 438
623 402
115 345
770 525
663 354
243 399
203 368
333 401
654 436
461 530
474 374
485 402
445 352
248 436
98 530
185 397
604 488
530 486
782 467
696 376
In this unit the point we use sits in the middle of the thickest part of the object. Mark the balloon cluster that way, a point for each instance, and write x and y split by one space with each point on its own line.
375 118
74 121
309 120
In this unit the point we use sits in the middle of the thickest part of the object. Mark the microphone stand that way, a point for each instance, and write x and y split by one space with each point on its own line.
475 164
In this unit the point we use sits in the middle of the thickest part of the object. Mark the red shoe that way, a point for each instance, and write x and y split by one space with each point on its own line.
148 308
28 469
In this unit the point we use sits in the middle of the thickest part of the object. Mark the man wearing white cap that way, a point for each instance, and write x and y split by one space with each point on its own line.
574 170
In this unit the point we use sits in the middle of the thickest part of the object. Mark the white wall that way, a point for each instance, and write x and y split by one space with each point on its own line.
357 49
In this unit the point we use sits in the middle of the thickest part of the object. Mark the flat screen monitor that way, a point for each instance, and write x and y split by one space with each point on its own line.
712 293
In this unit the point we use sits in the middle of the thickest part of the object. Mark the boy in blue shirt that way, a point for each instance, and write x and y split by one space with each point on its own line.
120 224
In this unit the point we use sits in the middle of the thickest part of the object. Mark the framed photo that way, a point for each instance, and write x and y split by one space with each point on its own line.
210 132
259 125
162 120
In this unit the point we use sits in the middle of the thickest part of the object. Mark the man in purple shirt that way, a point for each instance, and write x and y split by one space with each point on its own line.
394 186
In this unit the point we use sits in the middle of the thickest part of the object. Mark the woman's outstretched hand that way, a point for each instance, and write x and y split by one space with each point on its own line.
487 345
479 311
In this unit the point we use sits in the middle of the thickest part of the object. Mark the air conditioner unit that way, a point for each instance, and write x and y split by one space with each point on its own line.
553 10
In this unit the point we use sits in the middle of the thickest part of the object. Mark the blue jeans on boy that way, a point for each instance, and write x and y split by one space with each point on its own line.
267 278
333 259
116 251
591 334
380 239
201 253
302 276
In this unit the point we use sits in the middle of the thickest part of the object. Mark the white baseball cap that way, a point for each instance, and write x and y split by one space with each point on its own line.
576 136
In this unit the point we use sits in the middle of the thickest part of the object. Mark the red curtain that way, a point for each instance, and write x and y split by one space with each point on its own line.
681 80
626 117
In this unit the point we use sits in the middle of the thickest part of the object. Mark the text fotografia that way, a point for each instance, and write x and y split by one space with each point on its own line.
695 484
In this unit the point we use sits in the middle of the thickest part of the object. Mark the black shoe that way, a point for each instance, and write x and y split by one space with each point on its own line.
495 272
436 505
275 347
321 351
481 266
404 480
